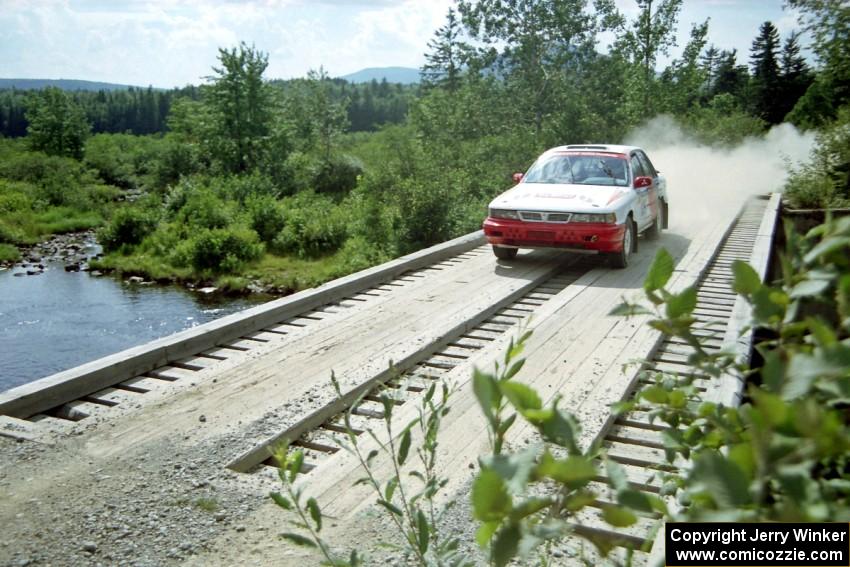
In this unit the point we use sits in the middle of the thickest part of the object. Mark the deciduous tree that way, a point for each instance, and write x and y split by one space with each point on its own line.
57 126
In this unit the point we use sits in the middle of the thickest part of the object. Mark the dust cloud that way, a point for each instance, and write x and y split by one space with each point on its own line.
708 184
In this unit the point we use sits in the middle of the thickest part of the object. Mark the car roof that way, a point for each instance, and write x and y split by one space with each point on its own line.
612 148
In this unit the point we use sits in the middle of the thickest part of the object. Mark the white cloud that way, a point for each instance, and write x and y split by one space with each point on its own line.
171 43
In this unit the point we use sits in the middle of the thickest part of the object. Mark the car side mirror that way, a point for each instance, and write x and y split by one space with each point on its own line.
642 181
517 177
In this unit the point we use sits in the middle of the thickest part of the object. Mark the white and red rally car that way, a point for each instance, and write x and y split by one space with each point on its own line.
582 198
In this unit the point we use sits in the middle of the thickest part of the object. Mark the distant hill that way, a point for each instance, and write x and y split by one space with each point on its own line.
64 84
404 75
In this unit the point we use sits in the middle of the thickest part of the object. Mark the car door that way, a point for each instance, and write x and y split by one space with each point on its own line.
652 193
643 212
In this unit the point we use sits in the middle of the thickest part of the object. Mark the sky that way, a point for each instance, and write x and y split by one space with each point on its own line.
172 43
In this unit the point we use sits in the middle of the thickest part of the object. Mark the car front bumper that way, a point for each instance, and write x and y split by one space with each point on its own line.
589 237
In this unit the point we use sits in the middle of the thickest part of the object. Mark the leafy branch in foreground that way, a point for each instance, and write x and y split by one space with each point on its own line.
309 514
409 494
782 455
537 496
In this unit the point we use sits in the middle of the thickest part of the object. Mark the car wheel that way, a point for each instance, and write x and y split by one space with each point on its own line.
621 259
505 253
654 231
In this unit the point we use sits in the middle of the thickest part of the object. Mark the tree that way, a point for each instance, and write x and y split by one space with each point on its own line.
730 77
535 46
766 88
794 74
242 108
709 62
651 34
828 22
57 125
684 79
444 61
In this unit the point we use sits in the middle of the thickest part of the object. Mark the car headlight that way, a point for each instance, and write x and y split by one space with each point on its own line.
594 217
504 214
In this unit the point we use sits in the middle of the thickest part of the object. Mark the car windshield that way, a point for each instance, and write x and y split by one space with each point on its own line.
579 169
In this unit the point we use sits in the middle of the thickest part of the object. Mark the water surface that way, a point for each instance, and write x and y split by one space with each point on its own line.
57 320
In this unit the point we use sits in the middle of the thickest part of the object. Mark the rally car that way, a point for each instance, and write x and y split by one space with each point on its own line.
583 198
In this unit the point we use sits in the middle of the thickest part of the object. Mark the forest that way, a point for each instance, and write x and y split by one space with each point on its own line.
245 180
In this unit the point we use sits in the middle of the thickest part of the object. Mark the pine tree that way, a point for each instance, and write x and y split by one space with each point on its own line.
445 56
766 88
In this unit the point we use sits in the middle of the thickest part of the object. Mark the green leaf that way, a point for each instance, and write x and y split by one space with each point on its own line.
486 392
747 280
560 428
618 517
423 532
281 500
574 472
315 513
660 271
683 303
617 475
827 246
372 454
514 468
721 479
530 506
515 367
490 498
389 490
294 463
390 506
809 288
485 532
404 446
505 545
635 500
828 362
298 539
654 394
522 397
578 500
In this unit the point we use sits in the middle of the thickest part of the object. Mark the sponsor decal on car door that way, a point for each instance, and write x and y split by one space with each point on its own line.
644 210
649 169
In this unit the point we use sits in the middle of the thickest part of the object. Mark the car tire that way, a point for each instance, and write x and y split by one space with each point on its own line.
505 253
621 259
654 231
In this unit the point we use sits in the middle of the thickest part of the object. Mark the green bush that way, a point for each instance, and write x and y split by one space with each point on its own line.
10 234
825 180
15 196
129 226
203 209
315 225
222 250
242 188
9 253
266 216
337 175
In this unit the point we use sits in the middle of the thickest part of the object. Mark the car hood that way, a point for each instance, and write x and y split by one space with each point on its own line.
561 197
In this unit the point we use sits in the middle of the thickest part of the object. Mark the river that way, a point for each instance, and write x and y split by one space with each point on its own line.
57 320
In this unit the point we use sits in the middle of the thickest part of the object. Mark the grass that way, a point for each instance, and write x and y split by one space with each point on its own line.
9 253
207 504
141 264
28 227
